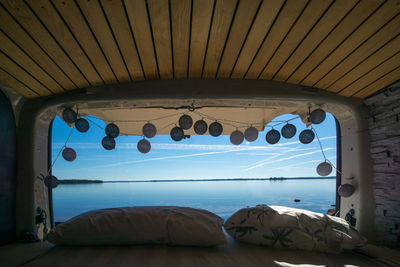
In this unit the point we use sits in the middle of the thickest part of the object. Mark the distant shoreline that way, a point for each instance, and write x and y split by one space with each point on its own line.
71 181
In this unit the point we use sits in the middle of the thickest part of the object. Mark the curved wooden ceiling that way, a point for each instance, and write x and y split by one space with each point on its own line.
50 46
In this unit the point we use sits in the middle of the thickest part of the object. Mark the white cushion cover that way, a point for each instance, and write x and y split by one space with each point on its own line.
141 225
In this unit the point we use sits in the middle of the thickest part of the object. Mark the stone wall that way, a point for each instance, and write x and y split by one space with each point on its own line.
385 152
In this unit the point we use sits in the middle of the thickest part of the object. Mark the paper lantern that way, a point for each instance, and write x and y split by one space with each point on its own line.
215 129
288 131
185 122
200 127
144 146
51 181
237 137
112 130
317 116
177 134
149 130
251 134
108 143
82 125
69 115
306 136
324 169
346 190
69 154
273 136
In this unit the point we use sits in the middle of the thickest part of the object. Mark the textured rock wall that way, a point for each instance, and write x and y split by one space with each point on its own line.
385 152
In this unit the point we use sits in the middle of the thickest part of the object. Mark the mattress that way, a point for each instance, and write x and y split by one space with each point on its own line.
231 254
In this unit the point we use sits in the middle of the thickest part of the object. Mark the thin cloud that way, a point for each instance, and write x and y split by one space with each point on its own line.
284 159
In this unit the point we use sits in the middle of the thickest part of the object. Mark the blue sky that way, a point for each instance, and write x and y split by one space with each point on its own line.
200 157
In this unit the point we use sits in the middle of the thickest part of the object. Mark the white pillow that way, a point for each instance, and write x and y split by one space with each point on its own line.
141 225
285 227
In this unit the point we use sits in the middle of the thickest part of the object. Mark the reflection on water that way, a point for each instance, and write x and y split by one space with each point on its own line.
222 198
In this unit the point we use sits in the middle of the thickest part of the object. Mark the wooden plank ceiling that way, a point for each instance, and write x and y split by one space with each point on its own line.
348 47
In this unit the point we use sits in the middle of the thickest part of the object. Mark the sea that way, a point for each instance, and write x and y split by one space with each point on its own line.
221 197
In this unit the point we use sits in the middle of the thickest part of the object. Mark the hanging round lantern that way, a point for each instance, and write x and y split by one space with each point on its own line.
149 130
306 136
200 127
108 143
112 130
237 137
82 125
288 131
215 129
69 115
251 134
177 134
144 146
69 154
317 116
273 136
51 181
346 190
324 169
185 122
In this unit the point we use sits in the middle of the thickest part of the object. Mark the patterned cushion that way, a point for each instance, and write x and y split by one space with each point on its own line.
284 227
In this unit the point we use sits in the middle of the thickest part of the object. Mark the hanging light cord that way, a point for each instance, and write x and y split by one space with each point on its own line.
62 148
322 150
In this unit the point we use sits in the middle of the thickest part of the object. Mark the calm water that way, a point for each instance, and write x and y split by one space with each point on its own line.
222 198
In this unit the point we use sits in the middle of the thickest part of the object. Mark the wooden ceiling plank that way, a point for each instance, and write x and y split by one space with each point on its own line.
381 55
223 14
49 17
330 19
115 12
371 46
382 82
137 14
180 19
201 18
265 17
23 76
244 16
23 40
28 20
160 23
98 23
286 18
385 67
309 17
384 14
14 52
16 85
73 18
356 17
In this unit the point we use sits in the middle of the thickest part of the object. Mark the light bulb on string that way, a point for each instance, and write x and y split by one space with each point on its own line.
144 146
108 143
185 122
324 169
317 116
236 137
177 134
69 154
273 136
69 115
82 125
251 134
215 129
200 127
112 130
288 131
149 130
306 136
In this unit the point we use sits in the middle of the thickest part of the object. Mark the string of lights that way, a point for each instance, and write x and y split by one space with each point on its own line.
200 127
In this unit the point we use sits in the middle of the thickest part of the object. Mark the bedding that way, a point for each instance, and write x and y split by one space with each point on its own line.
141 225
284 227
